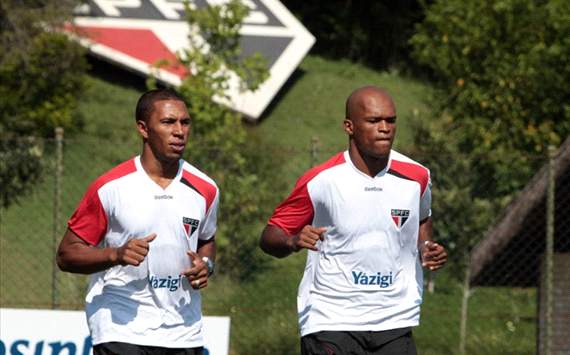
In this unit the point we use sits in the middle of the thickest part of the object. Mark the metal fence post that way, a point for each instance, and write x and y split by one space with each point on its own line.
550 209
314 151
56 210
465 305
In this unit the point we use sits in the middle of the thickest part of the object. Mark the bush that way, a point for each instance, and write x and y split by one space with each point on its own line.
41 79
373 32
502 71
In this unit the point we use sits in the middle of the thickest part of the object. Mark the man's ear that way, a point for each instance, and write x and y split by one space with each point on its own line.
348 126
142 128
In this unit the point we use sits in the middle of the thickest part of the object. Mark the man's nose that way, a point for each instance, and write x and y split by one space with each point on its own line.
178 129
383 126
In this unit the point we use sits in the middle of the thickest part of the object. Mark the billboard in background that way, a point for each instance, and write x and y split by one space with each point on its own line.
137 33
47 332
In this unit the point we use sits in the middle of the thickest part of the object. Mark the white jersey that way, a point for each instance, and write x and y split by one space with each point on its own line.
366 275
151 304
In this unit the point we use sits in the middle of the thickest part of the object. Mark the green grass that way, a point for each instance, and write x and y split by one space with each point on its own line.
263 311
489 312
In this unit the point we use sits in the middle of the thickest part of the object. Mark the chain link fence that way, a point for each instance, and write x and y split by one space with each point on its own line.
506 289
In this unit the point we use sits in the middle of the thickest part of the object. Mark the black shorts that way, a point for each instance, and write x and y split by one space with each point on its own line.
388 342
116 348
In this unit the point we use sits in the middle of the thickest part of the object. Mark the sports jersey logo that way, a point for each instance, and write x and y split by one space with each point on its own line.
400 217
170 283
383 281
372 188
190 225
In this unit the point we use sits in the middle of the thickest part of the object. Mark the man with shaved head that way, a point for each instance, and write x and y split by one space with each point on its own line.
365 218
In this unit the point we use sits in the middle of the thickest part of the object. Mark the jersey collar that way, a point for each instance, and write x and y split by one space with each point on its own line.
380 173
141 170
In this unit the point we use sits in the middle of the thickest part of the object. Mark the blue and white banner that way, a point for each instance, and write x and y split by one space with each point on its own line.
47 332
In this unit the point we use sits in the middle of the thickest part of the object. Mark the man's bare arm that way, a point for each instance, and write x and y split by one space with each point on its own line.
274 241
77 256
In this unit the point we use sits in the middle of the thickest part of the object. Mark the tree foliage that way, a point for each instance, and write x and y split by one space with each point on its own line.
502 70
41 78
373 32
41 70
220 144
504 66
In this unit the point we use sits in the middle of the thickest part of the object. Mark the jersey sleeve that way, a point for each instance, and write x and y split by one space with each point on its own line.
425 201
89 221
209 226
295 212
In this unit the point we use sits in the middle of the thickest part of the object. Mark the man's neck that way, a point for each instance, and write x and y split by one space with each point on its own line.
368 165
160 171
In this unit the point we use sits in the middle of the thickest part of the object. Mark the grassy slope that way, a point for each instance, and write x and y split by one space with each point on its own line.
263 312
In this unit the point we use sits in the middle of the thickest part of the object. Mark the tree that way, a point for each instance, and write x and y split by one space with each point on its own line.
374 32
41 78
502 71
220 144
503 67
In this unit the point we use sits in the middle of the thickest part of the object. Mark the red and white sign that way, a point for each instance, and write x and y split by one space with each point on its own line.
138 33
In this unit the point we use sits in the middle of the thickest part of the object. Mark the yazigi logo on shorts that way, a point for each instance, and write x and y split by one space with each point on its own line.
378 279
190 225
172 284
400 217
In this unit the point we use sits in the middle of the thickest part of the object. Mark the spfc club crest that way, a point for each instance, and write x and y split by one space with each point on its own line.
400 217
190 225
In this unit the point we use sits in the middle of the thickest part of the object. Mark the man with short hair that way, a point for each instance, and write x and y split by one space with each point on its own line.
145 232
365 218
